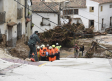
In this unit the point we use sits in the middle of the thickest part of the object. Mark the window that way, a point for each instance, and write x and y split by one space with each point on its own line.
111 6
45 22
91 23
91 9
75 11
102 23
68 12
101 8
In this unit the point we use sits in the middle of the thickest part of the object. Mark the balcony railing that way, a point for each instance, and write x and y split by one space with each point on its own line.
19 13
2 17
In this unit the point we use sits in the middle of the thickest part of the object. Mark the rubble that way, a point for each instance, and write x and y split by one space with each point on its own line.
21 50
60 34
108 30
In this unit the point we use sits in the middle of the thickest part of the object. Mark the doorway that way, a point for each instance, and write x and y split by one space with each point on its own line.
111 21
102 23
10 42
19 31
91 23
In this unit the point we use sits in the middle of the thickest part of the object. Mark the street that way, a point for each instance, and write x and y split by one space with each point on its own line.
66 69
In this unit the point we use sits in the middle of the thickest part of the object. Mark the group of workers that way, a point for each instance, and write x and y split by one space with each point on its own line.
42 53
48 53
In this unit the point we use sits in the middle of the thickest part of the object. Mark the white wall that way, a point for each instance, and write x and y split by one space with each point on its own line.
97 15
85 15
106 14
37 20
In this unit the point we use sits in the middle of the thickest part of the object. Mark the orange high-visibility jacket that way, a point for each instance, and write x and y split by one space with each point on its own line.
55 50
50 51
44 51
47 49
41 52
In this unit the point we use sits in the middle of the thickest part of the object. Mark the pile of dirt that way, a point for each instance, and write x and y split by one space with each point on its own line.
21 50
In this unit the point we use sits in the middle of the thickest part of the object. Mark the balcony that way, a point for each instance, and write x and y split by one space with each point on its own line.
2 17
19 13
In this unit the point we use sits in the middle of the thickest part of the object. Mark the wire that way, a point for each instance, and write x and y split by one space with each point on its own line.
81 15
94 21
39 27
43 17
52 21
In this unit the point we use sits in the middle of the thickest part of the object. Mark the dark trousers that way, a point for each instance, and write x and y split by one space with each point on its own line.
82 53
57 56
76 53
43 58
33 50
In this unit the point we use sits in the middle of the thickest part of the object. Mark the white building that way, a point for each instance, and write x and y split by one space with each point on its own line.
48 14
89 12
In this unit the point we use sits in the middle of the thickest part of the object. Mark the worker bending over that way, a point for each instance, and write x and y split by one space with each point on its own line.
43 55
34 39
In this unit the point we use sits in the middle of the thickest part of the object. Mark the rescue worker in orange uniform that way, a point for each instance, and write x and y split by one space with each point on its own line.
51 55
47 47
43 55
55 50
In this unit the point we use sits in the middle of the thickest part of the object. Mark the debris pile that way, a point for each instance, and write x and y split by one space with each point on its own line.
108 30
21 50
61 35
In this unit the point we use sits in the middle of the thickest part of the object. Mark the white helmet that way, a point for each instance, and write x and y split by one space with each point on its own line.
42 45
50 47
47 44
38 47
57 44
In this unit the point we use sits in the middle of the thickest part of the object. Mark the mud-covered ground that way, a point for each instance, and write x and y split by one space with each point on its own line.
21 50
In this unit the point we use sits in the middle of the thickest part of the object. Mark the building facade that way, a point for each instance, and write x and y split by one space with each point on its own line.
89 12
12 20
43 23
